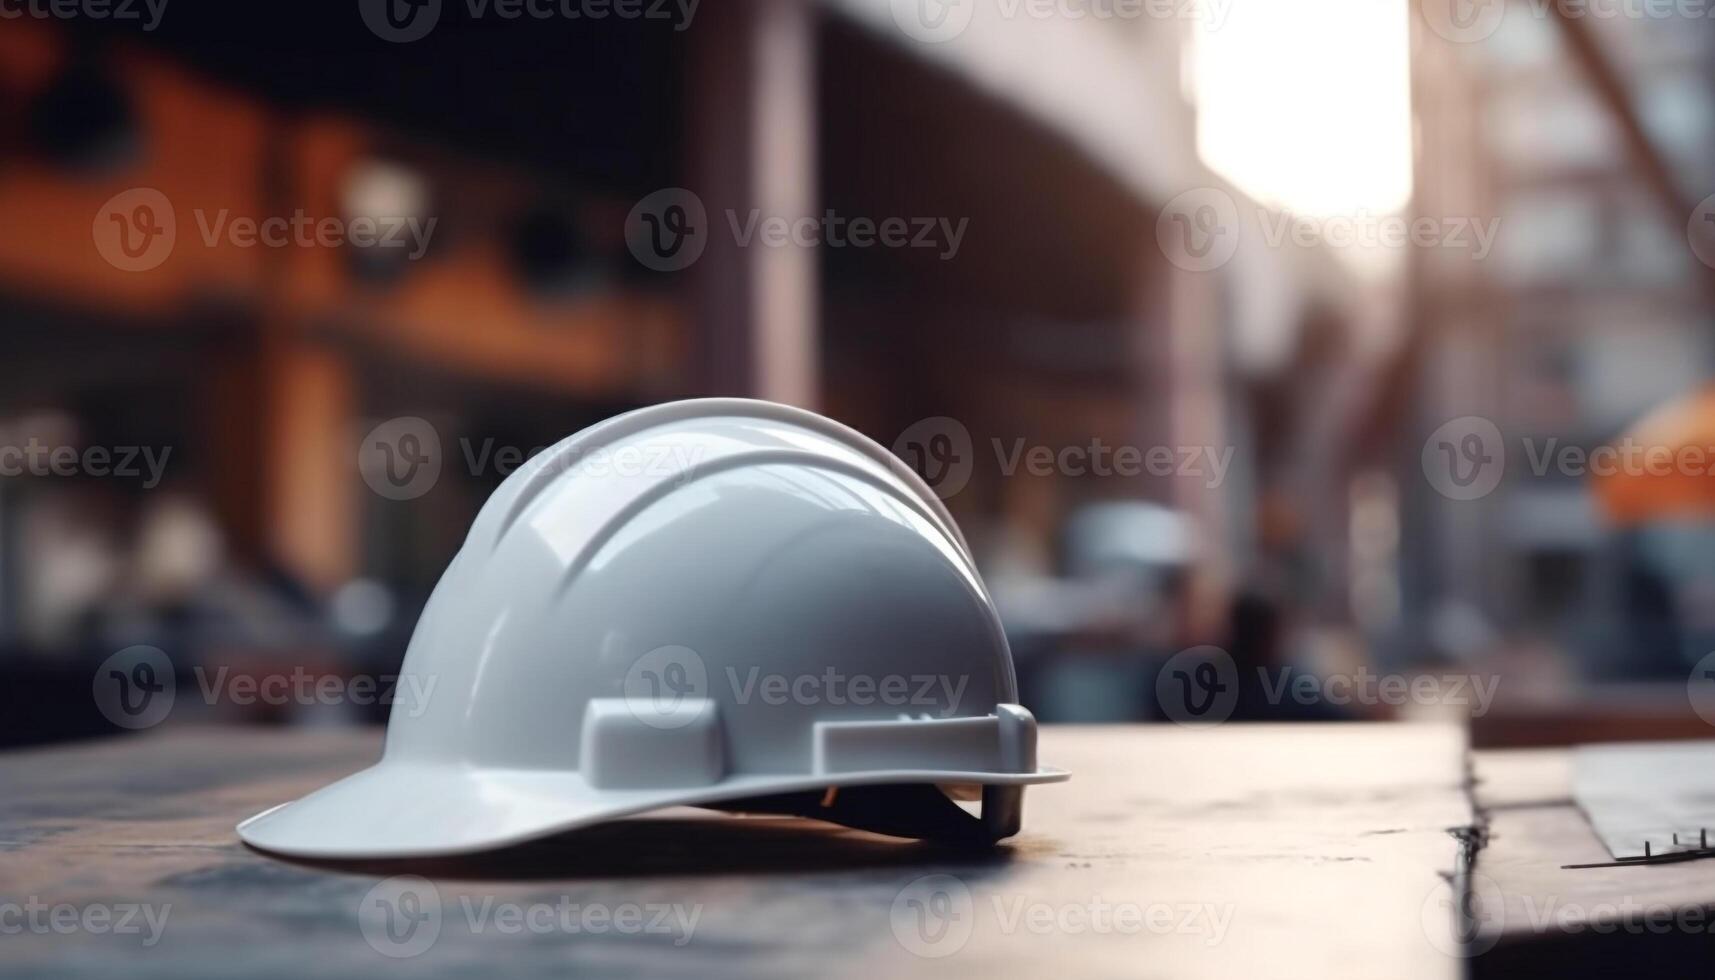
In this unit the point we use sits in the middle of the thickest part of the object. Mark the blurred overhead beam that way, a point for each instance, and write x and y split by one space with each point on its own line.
1111 87
1652 165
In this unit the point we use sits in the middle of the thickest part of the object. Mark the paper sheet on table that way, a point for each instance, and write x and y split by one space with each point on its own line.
1648 792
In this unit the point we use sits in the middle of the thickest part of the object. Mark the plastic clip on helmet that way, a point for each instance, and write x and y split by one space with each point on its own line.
722 603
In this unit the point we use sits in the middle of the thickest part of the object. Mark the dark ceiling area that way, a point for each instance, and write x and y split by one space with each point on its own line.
598 103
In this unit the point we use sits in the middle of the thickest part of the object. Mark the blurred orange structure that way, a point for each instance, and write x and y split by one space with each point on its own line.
1668 468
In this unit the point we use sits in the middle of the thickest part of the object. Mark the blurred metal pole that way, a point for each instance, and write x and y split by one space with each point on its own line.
751 89
1177 372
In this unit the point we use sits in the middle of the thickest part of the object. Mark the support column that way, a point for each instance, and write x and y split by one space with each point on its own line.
1178 368
313 495
751 91
280 413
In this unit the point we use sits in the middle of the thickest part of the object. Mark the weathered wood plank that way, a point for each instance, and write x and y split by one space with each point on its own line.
1536 913
1245 851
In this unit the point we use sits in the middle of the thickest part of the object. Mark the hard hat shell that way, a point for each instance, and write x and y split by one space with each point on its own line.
700 602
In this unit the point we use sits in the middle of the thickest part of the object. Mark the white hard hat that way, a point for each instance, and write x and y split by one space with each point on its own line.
720 602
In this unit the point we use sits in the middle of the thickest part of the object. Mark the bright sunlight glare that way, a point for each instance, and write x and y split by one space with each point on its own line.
1307 105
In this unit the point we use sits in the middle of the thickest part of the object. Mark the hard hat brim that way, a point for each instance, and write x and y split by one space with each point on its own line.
401 810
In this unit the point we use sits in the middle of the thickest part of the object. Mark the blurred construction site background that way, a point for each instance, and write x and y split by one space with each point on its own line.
1353 355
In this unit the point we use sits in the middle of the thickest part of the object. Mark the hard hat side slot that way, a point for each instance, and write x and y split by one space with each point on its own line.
1004 742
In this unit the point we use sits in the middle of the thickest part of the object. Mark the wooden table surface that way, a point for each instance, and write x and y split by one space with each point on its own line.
1242 851
1532 909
